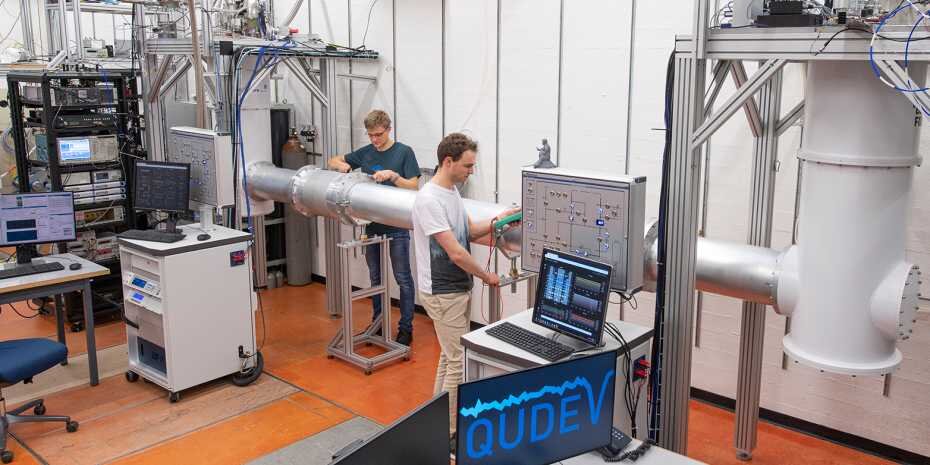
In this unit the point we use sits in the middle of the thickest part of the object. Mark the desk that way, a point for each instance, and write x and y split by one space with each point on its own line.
655 456
60 282
487 356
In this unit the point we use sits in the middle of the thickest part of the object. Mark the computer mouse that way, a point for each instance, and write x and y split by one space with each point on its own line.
74 266
203 237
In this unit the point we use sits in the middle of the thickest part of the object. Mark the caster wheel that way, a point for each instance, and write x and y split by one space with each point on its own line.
367 372
132 376
77 327
249 376
39 409
174 397
72 426
406 358
6 456
367 344
330 356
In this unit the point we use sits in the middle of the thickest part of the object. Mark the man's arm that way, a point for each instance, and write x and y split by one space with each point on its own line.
462 258
338 163
481 228
398 180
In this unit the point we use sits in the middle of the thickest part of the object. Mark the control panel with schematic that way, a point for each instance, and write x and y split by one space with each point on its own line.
591 215
210 158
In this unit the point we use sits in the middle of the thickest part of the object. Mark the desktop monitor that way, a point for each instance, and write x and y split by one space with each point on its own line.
541 415
572 294
74 149
161 186
27 219
420 438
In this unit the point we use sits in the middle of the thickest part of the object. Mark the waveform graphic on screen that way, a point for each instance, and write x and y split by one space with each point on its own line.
501 405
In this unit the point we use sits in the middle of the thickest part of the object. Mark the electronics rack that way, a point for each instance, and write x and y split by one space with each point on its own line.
94 104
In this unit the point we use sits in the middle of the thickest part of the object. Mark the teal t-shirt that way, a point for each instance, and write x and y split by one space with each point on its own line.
399 159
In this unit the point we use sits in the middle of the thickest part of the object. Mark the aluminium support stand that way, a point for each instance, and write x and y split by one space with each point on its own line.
343 345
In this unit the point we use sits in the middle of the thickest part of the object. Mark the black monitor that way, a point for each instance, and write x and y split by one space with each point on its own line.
162 186
420 438
541 415
30 219
572 295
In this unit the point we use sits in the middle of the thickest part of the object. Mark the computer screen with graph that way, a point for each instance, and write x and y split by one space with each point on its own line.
572 295
540 415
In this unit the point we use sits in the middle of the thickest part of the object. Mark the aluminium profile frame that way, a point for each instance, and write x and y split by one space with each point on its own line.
692 126
155 51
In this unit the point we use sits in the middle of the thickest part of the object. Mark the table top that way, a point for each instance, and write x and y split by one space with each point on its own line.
88 270
655 456
479 341
218 235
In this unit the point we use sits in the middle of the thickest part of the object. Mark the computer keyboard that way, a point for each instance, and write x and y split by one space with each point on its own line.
151 235
529 341
26 270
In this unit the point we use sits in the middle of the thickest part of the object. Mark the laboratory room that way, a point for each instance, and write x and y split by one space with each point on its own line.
448 232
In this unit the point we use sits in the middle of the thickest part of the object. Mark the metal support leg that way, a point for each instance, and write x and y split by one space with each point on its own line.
332 229
89 330
60 321
531 283
259 255
676 329
379 331
752 334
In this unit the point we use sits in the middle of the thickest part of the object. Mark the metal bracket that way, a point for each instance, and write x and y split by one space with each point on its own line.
745 92
750 107
721 70
788 120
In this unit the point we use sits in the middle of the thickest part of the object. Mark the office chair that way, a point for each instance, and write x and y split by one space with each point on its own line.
20 360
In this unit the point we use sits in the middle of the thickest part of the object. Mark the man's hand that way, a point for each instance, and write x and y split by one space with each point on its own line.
491 279
505 214
385 175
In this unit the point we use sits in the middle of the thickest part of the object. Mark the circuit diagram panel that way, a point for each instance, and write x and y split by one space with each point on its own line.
211 176
599 218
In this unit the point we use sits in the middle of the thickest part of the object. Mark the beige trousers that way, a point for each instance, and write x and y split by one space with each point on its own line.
451 317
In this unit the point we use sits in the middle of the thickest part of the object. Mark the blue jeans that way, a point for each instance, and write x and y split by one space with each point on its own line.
400 265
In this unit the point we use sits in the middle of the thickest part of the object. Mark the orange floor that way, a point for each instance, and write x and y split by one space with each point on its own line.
302 394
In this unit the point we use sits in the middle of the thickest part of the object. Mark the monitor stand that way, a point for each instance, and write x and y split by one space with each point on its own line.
171 224
25 254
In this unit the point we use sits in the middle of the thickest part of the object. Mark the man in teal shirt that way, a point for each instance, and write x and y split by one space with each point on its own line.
393 164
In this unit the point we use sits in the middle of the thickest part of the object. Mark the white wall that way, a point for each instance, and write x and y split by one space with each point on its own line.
501 84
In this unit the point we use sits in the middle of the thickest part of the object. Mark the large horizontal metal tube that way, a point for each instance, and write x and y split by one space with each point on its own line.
353 197
742 271
735 270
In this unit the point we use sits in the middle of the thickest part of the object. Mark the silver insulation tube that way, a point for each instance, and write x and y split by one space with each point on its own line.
741 271
353 197
735 270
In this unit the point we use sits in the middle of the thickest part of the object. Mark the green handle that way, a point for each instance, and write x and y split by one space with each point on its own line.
499 224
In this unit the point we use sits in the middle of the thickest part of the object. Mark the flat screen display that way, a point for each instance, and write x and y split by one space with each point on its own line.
540 415
571 298
36 218
74 149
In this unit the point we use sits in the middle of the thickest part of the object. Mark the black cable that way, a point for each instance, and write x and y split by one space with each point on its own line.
365 36
21 315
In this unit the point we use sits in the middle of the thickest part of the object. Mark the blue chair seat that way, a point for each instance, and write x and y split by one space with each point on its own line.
24 358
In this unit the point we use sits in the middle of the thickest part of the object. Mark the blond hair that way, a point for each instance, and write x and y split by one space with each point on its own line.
377 119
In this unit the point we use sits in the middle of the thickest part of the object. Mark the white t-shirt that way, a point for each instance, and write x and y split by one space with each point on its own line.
437 209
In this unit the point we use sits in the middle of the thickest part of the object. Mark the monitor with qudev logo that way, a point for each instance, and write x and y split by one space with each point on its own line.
537 416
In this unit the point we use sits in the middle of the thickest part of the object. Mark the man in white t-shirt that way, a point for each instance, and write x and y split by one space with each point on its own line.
442 232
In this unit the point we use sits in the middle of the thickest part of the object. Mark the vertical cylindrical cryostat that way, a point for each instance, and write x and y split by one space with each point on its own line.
847 286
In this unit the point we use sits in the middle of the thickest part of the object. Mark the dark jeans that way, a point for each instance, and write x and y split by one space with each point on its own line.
400 265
